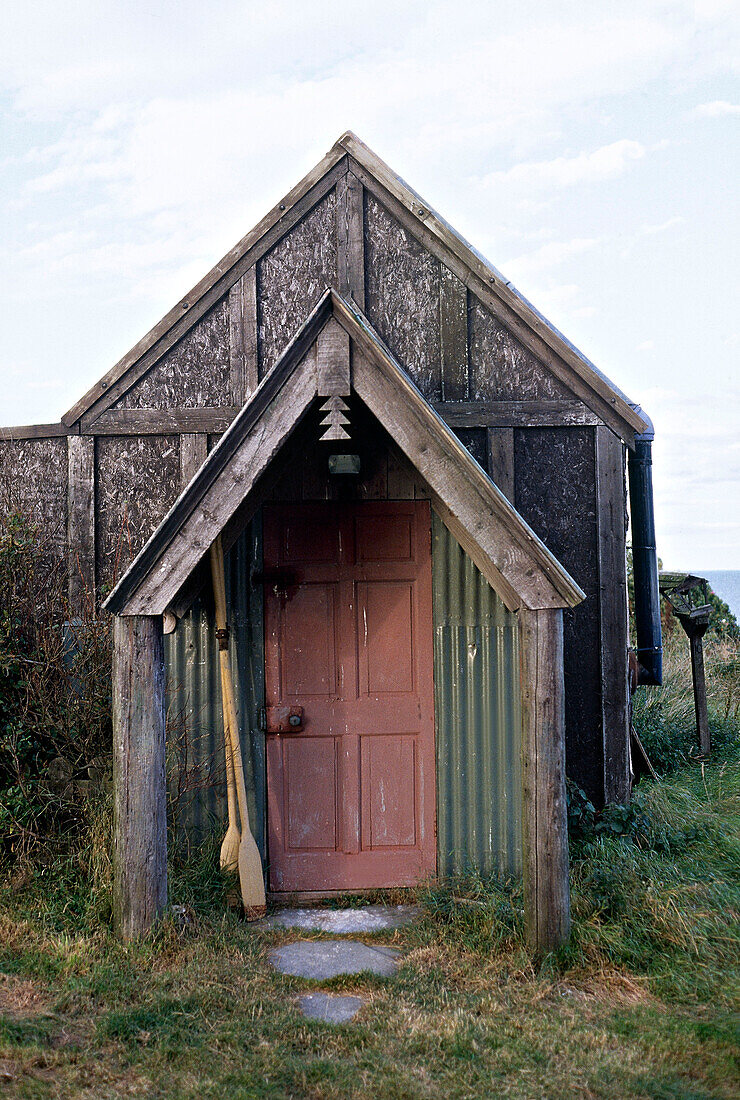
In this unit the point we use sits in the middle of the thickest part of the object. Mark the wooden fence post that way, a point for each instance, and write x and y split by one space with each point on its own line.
545 819
140 804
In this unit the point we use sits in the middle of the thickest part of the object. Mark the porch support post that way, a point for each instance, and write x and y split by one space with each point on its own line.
140 805
545 822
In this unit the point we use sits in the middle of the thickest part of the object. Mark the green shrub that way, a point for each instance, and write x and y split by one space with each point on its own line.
55 709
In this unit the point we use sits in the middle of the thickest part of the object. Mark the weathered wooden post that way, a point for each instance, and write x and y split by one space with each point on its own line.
545 819
680 590
140 805
696 624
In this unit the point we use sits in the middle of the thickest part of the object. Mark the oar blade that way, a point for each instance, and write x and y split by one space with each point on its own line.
229 858
251 878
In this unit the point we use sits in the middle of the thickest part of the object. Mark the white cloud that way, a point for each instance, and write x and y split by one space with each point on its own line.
646 345
547 256
660 227
718 108
593 167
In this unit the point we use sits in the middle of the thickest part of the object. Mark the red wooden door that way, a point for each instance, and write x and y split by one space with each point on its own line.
348 637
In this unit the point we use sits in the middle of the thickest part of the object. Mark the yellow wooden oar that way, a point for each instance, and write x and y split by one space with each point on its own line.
248 859
229 858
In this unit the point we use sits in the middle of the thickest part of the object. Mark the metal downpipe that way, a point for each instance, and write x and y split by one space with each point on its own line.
644 557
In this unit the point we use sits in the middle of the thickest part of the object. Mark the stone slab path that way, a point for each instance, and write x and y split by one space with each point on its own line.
322 959
369 918
330 1009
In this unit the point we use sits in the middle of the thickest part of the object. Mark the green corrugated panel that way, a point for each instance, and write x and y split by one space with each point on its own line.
194 717
478 717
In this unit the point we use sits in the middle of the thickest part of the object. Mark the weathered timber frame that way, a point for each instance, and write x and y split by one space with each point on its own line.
337 352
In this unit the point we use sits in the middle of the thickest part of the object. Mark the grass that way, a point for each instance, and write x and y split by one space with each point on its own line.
642 1003
664 716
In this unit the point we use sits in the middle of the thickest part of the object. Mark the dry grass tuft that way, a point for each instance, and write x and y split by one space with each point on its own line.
610 988
21 997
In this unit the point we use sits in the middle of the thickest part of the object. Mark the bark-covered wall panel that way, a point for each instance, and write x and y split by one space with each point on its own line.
476 441
193 374
33 481
556 495
402 297
501 368
137 480
291 278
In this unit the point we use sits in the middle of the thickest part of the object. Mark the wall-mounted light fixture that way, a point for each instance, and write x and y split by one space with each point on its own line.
348 465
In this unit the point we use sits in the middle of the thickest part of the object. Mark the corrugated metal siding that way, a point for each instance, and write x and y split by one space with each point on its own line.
478 717
194 716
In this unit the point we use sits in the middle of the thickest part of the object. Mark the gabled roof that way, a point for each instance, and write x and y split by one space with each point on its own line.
506 550
511 308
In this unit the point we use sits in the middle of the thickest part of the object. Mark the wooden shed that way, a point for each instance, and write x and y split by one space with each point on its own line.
420 485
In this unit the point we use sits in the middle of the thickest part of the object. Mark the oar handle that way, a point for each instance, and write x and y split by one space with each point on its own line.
227 686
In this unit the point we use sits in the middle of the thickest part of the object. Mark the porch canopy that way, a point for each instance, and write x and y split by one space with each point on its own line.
336 355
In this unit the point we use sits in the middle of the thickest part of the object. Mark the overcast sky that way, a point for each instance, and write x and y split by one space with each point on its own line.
589 150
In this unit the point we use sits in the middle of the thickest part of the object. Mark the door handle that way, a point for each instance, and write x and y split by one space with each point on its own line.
284 719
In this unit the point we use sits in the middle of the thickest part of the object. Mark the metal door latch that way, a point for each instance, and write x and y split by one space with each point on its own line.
284 719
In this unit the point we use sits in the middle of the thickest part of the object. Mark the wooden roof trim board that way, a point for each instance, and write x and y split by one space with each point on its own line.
220 278
36 431
491 277
604 409
515 561
514 310
560 355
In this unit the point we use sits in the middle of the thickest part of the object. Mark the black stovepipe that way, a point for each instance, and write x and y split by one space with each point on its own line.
644 558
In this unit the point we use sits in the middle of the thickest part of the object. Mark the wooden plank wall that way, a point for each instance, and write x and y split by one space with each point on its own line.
292 277
81 524
178 380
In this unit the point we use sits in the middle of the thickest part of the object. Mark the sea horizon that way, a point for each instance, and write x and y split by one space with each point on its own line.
725 583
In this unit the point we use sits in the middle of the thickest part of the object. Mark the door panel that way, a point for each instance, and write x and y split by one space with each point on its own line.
308 615
390 540
386 636
348 637
389 795
309 767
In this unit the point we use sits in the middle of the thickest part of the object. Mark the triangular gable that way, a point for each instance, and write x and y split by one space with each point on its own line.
506 550
349 154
